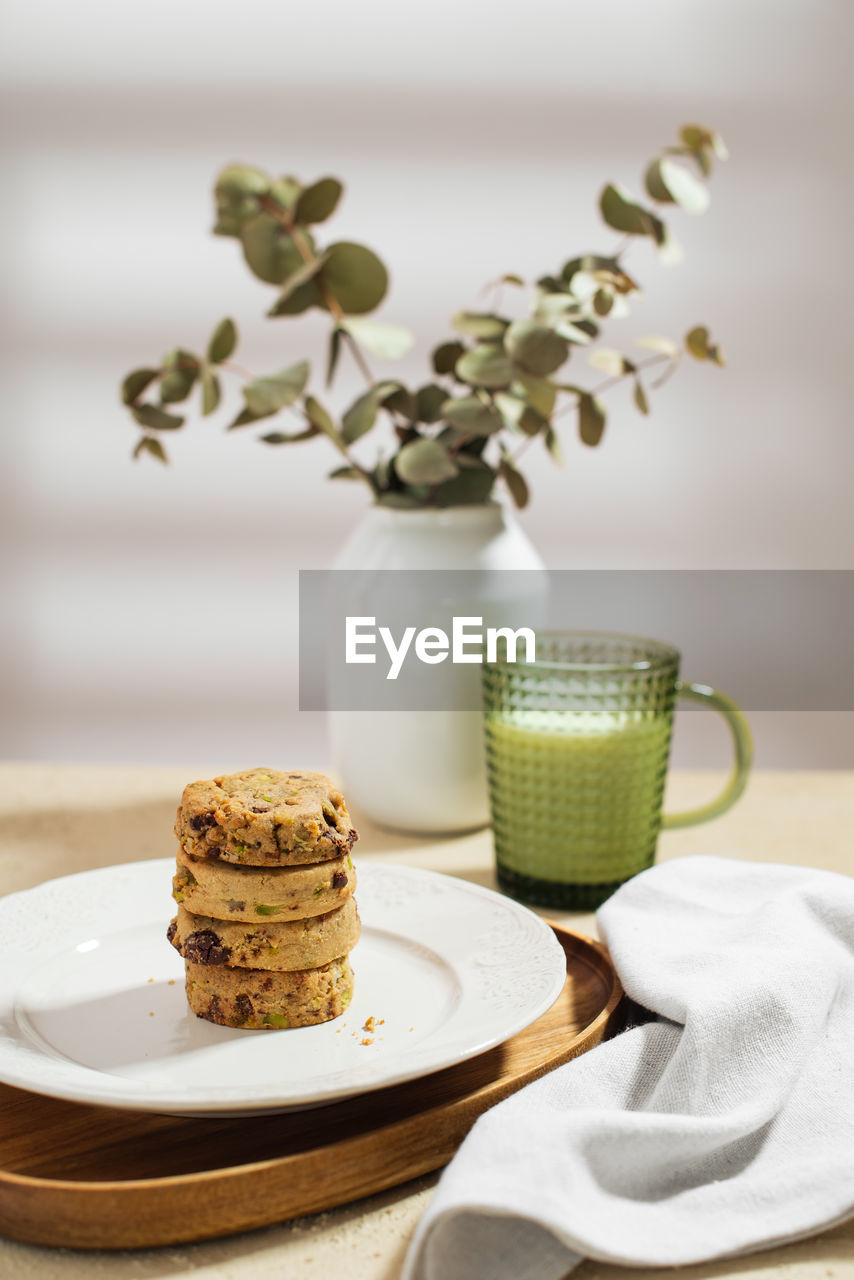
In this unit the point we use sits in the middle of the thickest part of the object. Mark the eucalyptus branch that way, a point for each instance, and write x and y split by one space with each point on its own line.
496 379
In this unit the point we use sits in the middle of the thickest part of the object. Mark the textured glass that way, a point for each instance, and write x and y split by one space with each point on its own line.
577 749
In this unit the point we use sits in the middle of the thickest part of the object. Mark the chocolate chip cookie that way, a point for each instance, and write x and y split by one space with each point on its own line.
265 818
208 887
257 999
296 944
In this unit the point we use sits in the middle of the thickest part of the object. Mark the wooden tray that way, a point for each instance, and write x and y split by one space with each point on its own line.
93 1177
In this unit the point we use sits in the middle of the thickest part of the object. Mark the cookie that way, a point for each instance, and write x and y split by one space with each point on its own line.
208 887
258 999
297 944
264 818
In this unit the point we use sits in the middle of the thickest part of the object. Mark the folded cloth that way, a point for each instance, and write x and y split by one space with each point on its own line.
723 1127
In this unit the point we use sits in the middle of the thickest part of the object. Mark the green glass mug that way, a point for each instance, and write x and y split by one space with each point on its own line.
577 746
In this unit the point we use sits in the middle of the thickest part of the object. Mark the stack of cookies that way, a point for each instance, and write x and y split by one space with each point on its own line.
264 886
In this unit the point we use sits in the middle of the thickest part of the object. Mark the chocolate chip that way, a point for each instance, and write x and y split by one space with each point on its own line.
339 880
234 905
352 836
206 947
200 821
267 984
261 808
244 1006
330 1009
171 931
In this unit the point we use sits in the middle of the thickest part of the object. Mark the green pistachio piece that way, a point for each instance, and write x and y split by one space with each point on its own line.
263 909
276 1020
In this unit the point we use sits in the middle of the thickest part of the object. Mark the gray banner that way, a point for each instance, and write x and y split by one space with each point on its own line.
775 640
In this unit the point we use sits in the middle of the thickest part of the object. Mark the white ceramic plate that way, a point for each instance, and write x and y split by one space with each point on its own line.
92 1004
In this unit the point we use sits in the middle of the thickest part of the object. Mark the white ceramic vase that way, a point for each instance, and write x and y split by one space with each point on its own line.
424 771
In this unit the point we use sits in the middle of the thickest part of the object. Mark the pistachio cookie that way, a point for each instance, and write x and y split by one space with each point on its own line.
228 892
296 944
258 999
265 818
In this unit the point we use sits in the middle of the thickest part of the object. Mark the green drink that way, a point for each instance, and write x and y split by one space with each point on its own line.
577 748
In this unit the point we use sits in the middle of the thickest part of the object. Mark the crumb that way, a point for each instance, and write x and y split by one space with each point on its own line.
370 1024
171 982
150 979
151 1013
367 1040
338 1032
411 1028
381 1022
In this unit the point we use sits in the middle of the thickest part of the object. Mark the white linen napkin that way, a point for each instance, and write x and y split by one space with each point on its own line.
724 1127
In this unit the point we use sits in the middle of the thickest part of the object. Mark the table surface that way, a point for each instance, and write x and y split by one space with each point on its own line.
59 819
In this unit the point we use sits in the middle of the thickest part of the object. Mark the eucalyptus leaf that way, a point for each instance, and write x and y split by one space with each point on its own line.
655 342
319 201
238 193
540 393
136 382
269 250
603 302
286 192
239 180
486 365
157 419
469 488
535 348
362 414
333 355
319 416
672 183
403 401
290 437
591 419
623 214
180 371
611 362
424 462
296 280
481 325
698 343
210 390
268 395
428 402
355 277
223 341
246 418
640 397
301 299
554 446
346 473
387 341
150 444
399 501
446 355
472 416
515 482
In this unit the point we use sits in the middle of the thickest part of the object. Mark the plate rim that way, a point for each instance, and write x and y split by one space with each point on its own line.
87 1084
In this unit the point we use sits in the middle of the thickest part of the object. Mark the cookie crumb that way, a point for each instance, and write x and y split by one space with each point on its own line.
151 1013
150 979
367 1040
370 1024
171 982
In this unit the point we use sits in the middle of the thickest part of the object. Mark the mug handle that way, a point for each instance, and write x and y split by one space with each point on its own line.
743 747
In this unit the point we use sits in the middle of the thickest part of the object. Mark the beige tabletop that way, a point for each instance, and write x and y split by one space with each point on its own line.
56 820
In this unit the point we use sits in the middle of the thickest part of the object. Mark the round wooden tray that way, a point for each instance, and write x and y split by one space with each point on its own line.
93 1177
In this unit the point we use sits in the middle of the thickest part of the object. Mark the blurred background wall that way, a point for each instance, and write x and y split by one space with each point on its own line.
149 614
